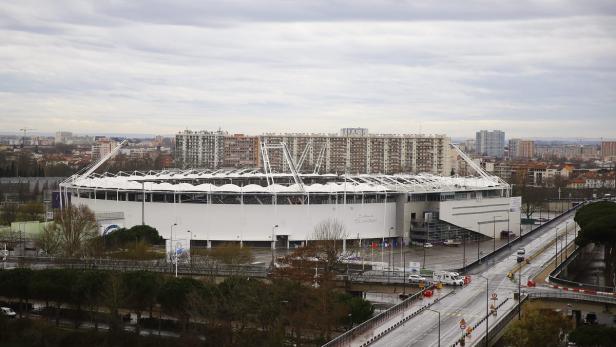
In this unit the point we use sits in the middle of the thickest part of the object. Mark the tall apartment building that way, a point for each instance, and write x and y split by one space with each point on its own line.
608 149
490 143
102 147
386 154
519 148
355 152
200 149
241 151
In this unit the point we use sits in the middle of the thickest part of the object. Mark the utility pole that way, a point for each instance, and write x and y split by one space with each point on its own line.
556 245
494 233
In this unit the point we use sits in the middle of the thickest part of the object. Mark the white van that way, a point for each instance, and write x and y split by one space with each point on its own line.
446 277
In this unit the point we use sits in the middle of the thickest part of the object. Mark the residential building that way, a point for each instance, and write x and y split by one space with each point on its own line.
608 150
490 143
241 151
200 149
369 153
102 147
519 148
356 152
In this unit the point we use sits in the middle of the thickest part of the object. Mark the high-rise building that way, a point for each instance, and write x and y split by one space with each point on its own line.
490 143
200 149
364 153
519 148
241 151
355 152
102 147
608 149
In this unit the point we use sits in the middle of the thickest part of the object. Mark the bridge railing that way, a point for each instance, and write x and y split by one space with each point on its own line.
373 322
516 241
572 296
553 277
195 268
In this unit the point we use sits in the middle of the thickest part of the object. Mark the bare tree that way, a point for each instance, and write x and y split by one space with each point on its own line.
77 226
327 238
50 239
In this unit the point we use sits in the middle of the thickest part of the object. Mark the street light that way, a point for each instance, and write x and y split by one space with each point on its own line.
487 302
556 247
439 325
273 243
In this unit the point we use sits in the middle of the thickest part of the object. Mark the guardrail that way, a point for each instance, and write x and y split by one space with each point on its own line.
571 296
553 277
377 320
516 241
494 329
196 268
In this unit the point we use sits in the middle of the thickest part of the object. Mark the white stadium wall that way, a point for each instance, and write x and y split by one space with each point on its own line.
466 214
235 222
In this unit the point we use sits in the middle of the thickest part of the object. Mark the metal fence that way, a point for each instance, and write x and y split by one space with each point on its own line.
193 269
371 323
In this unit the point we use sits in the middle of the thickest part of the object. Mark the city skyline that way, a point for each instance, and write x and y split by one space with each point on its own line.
534 70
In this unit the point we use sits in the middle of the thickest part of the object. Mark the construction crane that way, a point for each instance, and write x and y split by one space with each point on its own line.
23 138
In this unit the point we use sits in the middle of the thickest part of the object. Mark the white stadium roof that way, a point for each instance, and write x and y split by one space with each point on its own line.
239 182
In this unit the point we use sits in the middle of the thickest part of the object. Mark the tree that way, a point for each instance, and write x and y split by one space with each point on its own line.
538 327
593 336
141 289
327 237
174 298
139 233
49 240
77 226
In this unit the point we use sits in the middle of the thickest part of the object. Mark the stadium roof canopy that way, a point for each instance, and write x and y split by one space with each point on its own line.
253 181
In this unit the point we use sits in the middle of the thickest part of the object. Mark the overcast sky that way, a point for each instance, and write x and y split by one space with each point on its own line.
530 68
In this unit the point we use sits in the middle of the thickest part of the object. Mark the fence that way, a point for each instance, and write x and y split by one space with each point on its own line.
376 321
194 269
553 277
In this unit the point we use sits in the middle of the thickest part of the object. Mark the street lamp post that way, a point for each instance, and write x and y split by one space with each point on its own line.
520 291
273 243
391 249
556 248
566 239
487 302
439 325
478 237
464 250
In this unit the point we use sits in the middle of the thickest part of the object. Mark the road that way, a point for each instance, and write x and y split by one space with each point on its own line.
469 303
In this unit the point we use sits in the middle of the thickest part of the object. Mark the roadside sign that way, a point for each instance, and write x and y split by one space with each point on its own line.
462 324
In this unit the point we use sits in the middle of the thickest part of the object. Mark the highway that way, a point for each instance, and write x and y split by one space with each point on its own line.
469 303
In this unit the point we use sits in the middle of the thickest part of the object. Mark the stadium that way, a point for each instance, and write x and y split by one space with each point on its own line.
252 206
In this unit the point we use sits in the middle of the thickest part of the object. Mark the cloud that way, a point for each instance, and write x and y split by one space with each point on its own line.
398 66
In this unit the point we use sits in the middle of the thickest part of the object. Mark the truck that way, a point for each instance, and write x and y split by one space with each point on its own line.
446 277
450 242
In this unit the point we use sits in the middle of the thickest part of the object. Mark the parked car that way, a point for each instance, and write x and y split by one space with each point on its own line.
427 245
7 312
416 279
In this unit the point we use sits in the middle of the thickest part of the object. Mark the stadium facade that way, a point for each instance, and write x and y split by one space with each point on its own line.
251 206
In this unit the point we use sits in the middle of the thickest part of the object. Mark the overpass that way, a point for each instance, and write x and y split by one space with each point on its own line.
442 322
